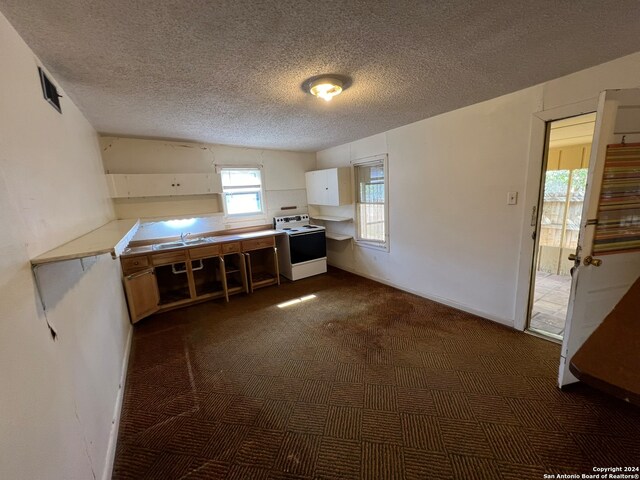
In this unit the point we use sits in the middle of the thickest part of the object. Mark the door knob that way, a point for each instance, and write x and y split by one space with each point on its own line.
589 260
573 257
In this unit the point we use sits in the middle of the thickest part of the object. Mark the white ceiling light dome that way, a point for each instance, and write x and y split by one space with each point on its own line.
326 86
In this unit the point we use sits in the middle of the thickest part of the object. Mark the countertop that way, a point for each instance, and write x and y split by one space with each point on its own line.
110 238
213 240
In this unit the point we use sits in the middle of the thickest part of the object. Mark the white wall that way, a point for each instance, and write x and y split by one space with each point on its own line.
453 237
57 398
283 176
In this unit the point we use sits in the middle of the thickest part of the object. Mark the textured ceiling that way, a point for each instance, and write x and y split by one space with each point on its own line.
230 71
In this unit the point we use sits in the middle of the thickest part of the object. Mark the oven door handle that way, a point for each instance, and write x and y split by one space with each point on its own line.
305 233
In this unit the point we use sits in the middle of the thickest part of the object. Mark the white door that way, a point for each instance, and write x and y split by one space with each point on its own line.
316 182
332 196
195 184
595 289
151 184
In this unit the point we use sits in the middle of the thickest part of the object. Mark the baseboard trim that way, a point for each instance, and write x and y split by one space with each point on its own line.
445 301
107 473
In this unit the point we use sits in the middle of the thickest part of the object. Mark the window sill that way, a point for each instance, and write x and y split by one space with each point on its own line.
242 216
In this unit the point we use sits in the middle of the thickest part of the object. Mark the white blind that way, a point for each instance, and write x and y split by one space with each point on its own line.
370 201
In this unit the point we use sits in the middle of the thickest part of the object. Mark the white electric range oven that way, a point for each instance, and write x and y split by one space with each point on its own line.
302 252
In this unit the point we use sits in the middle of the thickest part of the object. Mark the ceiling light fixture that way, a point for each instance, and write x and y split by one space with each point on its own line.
326 86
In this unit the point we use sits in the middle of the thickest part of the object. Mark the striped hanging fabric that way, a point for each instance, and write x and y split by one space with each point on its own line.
618 227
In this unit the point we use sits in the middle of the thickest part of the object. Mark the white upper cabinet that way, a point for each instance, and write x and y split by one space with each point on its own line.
316 187
117 186
162 184
331 186
150 185
198 183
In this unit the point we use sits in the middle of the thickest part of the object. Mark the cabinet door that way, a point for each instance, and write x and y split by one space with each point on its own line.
151 184
344 185
197 184
117 184
338 190
316 182
332 192
142 294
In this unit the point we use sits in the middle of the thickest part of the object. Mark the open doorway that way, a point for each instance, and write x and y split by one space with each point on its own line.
562 190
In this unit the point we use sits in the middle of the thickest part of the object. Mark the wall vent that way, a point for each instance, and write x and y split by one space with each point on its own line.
49 91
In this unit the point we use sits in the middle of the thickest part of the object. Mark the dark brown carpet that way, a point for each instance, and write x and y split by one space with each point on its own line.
364 381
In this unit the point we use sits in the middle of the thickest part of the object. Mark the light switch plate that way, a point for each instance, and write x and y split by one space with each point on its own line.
512 198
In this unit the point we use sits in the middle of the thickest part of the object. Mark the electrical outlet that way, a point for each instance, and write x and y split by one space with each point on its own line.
512 198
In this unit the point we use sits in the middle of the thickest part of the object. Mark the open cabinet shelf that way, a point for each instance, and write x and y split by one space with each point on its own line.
337 236
331 218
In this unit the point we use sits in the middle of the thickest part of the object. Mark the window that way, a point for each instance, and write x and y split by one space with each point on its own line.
242 191
371 202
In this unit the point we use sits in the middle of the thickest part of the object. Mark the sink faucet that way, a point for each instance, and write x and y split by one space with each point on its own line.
183 236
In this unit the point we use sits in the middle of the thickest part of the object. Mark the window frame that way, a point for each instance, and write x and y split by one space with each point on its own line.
246 215
370 162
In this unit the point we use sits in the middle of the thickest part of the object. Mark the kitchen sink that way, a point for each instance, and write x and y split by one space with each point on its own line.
186 243
164 246
197 241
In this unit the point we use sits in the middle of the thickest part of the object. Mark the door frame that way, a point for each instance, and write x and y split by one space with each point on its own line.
531 198
536 225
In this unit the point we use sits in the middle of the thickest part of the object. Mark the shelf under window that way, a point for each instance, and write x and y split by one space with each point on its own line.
337 236
331 218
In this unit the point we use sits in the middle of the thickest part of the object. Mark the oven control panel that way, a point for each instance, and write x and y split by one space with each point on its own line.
302 219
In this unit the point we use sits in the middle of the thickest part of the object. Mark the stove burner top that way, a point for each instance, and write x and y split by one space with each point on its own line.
295 224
